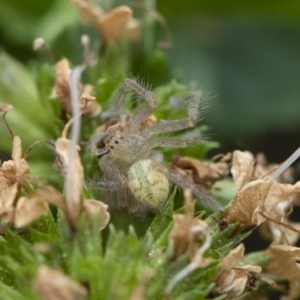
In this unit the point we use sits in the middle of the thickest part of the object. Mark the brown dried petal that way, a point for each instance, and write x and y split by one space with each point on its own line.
52 196
89 105
281 234
284 264
242 169
62 84
280 195
113 24
231 280
89 13
14 171
16 151
245 205
76 178
51 284
30 209
233 257
96 209
7 172
7 199
133 29
203 173
183 236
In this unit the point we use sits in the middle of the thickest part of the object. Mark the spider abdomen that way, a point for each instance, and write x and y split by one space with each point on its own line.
147 184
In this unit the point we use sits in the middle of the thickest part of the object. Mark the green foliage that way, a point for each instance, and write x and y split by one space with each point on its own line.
135 251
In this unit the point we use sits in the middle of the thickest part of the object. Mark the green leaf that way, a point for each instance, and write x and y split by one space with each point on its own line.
45 19
29 119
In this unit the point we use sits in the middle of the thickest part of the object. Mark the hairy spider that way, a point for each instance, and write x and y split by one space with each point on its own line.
127 148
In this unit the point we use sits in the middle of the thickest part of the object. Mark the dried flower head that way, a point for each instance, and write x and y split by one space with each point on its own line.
183 235
284 264
74 205
111 25
192 235
14 180
233 279
256 196
62 90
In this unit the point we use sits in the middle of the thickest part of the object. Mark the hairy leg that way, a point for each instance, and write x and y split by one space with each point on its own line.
173 142
142 111
114 178
196 189
193 107
117 106
94 145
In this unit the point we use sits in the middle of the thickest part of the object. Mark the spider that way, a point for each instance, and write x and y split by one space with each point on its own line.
126 149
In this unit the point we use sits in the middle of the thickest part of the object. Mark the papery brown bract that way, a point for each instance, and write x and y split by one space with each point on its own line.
233 279
182 235
62 91
51 284
8 194
28 209
76 173
283 233
284 264
13 176
192 236
111 25
89 105
74 205
257 196
203 173
62 84
96 209
246 203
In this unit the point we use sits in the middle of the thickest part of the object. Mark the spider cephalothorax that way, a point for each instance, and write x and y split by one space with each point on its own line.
127 154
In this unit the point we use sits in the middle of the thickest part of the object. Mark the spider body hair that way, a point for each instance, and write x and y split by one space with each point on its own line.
126 154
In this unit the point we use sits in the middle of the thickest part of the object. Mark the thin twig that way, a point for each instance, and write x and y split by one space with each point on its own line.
286 164
75 133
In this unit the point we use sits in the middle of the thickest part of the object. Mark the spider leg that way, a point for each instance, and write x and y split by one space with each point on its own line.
93 145
114 177
117 106
173 142
193 107
105 185
196 189
144 111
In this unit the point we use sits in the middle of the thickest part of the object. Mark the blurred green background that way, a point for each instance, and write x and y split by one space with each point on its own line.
245 56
